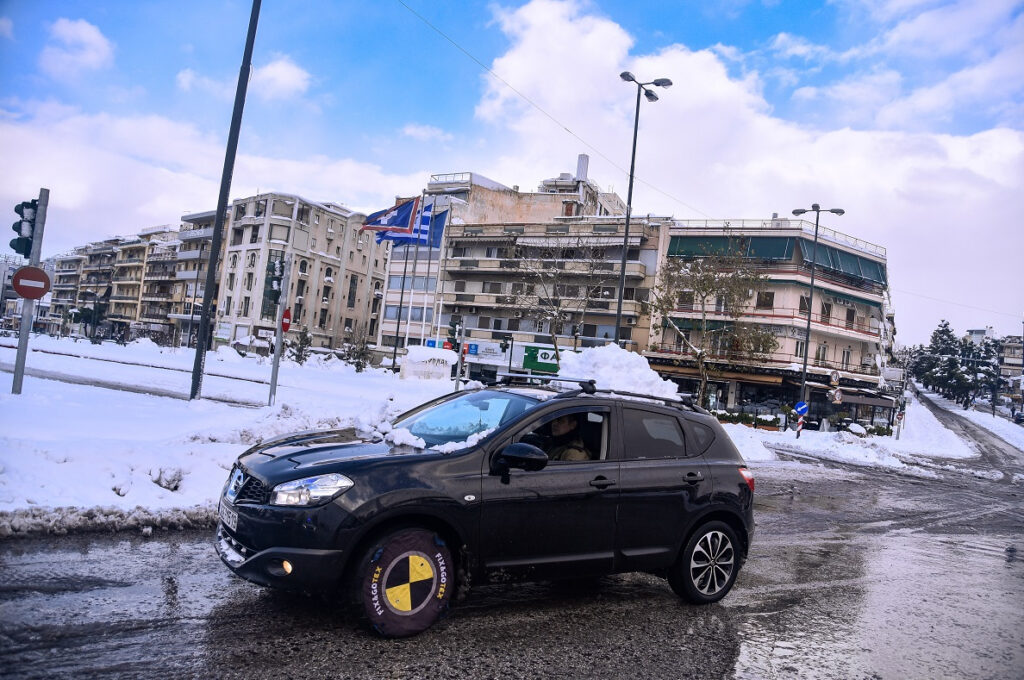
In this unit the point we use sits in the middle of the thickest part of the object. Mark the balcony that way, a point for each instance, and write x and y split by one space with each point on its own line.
189 274
156 296
65 286
162 274
527 268
194 234
789 317
128 262
124 298
777 360
201 253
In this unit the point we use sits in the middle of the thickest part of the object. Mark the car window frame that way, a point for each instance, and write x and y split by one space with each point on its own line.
663 412
556 411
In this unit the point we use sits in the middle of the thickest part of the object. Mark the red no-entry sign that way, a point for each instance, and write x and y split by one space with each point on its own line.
31 283
286 320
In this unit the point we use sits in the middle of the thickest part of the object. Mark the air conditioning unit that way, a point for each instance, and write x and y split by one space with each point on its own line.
472 310
631 321
517 314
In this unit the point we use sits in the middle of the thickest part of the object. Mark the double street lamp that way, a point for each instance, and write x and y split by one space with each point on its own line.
817 210
651 97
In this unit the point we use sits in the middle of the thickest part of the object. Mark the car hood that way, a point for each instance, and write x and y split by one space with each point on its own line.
315 453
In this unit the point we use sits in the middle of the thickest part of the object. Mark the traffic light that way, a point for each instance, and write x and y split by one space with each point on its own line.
24 227
274 285
453 327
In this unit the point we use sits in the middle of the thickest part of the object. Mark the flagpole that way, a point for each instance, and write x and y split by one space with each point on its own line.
426 280
401 302
415 263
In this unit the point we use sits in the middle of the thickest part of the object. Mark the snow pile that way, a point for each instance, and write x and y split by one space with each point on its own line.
613 368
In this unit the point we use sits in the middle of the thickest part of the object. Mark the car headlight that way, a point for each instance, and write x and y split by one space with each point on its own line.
311 490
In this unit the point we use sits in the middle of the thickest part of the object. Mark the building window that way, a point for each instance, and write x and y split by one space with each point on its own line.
231 281
765 300
254 235
248 280
353 286
846 358
826 311
322 322
805 304
240 211
328 273
821 355
303 215
492 287
460 286
302 266
685 301
234 260
227 305
799 348
261 208
245 306
250 260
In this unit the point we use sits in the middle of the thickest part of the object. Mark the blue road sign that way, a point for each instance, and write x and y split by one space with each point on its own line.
801 408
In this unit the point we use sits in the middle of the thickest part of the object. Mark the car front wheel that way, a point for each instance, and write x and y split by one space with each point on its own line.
405 582
708 565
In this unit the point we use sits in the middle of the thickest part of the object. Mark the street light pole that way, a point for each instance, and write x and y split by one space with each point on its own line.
651 97
810 299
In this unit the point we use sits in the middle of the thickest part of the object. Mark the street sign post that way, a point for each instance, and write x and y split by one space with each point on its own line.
31 283
280 328
801 409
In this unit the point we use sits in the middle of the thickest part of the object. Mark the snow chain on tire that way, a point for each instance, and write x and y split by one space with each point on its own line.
406 582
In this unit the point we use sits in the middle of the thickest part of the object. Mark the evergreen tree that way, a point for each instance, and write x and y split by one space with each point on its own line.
299 351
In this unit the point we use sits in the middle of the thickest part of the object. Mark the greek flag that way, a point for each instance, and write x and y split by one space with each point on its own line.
427 232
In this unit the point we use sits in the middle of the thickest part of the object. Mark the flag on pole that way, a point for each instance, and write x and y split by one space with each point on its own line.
397 219
428 231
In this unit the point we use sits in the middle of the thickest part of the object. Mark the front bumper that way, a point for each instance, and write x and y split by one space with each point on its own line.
312 570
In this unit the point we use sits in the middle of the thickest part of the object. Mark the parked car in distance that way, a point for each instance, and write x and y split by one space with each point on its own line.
1018 417
513 481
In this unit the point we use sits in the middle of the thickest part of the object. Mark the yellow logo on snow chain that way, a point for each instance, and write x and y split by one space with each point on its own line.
409 583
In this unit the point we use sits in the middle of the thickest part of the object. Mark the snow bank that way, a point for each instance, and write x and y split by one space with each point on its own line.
612 367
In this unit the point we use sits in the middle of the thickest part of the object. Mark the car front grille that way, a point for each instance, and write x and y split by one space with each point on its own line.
252 491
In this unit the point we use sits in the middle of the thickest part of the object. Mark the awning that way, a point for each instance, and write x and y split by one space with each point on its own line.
842 261
753 247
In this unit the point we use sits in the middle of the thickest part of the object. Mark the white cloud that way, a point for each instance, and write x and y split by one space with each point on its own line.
74 48
280 79
188 80
6 28
426 133
789 46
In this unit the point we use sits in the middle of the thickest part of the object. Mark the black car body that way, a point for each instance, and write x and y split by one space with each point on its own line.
491 505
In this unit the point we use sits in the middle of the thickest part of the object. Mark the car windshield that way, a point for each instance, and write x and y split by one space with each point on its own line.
459 418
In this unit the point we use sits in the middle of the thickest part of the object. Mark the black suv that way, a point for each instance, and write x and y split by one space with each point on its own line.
509 481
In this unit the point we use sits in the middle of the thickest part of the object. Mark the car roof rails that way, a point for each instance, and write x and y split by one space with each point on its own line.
587 385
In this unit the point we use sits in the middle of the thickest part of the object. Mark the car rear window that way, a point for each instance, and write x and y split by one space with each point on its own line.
703 435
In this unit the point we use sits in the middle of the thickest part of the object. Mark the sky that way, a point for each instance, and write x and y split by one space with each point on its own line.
908 114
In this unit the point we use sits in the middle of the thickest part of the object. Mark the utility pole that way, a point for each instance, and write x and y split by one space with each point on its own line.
222 202
279 329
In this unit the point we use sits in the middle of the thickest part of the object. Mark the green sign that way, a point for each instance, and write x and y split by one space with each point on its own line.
540 359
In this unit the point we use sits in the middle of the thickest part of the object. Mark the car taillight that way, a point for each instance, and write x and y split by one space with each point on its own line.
748 477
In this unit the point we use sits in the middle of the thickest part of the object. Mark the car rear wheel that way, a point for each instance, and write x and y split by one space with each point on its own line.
405 582
708 565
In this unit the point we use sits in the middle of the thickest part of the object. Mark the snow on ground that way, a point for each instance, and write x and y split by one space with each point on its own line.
1010 432
76 456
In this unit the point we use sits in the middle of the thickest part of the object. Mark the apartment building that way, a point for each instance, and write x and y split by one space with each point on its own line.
190 267
335 271
473 199
514 286
1011 357
67 272
851 324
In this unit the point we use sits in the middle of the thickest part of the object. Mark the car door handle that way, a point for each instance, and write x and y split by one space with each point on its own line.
601 482
693 477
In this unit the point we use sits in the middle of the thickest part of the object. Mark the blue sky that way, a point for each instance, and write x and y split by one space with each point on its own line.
906 113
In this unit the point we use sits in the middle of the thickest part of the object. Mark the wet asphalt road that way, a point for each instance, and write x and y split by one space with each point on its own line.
854 574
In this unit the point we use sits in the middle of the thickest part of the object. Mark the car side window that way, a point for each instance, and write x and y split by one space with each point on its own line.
647 434
571 437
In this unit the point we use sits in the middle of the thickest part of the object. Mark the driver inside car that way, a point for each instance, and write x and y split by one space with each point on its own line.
567 444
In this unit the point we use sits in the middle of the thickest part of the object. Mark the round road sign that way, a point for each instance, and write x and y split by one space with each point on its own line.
31 283
286 320
801 408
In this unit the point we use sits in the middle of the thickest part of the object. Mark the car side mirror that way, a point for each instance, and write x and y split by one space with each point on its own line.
520 456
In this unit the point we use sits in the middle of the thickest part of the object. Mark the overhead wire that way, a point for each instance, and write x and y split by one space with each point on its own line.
541 109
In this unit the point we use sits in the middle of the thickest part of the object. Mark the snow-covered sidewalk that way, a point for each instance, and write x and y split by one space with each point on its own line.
1009 432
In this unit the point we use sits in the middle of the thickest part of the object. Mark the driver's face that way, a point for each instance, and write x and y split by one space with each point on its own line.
560 426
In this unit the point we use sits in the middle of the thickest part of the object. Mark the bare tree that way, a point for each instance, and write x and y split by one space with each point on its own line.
559 283
713 291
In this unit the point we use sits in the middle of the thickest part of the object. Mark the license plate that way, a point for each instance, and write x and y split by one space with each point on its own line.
228 516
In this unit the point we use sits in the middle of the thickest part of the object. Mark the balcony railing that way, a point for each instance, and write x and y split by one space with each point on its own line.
775 360
198 233
569 267
784 316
